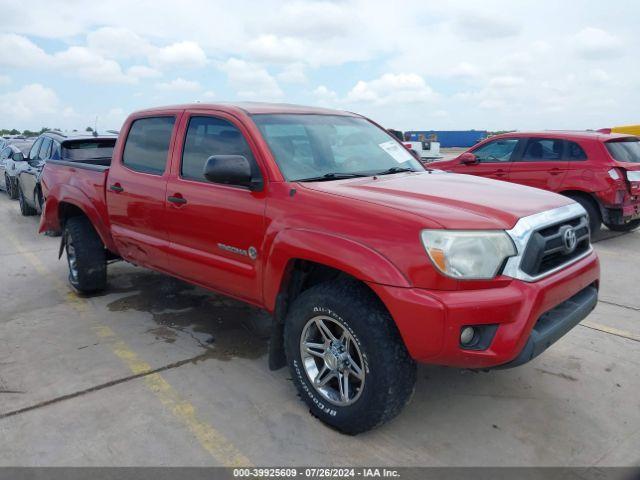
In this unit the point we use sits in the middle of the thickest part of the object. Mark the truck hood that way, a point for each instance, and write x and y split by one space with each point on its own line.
451 200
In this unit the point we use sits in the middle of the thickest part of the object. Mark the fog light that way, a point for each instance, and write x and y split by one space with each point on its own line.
467 334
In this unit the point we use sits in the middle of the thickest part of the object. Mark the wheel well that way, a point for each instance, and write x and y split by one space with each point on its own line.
300 275
67 211
587 196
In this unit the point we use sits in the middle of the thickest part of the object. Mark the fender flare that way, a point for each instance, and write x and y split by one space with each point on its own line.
340 253
68 194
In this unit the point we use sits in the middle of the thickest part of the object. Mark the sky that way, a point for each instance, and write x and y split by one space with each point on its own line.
410 65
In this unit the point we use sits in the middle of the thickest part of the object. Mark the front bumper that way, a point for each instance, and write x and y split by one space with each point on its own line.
429 321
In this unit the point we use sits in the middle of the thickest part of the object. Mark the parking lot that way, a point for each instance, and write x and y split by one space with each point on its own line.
156 372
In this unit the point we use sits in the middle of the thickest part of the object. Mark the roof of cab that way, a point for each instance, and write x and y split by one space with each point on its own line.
251 108
567 134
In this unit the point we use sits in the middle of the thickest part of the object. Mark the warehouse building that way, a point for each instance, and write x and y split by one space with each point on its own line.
449 138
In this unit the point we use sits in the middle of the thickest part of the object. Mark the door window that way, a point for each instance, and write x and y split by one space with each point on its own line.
43 154
207 136
34 149
543 149
575 151
497 151
147 146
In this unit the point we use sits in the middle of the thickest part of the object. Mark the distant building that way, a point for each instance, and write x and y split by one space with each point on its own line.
450 138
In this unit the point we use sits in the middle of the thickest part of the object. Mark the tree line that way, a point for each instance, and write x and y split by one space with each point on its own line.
33 133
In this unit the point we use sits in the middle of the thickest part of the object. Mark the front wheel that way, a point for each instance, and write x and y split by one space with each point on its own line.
626 227
86 256
346 357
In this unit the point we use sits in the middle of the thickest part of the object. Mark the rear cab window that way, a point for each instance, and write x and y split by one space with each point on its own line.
147 147
625 150
88 150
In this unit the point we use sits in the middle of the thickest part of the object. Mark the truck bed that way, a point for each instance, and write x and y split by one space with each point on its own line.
79 184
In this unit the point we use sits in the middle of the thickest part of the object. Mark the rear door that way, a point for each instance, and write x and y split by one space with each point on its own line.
216 230
494 159
542 164
4 156
136 190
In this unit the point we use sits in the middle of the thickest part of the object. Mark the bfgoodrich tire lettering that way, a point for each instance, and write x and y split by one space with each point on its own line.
86 256
388 375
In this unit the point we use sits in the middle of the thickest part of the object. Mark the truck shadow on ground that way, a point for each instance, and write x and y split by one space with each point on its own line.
225 327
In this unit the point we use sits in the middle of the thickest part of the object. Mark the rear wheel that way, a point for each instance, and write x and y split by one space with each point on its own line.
86 256
346 357
593 212
25 209
11 189
626 227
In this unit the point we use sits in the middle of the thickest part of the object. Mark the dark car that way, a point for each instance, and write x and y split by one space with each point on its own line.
55 145
12 159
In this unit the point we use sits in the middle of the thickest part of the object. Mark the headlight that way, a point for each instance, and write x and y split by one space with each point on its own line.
633 176
469 254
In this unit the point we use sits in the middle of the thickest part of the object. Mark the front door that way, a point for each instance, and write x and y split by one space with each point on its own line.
216 231
136 191
493 159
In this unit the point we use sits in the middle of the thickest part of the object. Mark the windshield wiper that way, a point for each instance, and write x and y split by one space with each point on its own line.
391 170
332 176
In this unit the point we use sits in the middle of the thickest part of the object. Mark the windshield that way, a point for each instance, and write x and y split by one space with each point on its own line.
78 151
333 146
625 150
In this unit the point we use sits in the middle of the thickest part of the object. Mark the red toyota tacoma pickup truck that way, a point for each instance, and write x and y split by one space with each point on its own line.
368 261
598 170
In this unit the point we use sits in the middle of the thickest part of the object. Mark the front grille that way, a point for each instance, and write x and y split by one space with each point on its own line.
546 249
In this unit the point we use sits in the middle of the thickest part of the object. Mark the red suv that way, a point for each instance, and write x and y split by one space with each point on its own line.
599 171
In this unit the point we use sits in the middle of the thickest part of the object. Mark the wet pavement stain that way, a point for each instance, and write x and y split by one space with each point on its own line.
226 328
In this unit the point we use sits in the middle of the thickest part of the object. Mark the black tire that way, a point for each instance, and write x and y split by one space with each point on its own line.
25 209
86 256
11 190
593 212
389 372
627 227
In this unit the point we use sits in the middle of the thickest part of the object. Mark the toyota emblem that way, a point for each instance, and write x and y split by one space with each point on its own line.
570 240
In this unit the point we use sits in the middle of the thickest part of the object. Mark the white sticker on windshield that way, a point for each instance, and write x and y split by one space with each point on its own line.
397 151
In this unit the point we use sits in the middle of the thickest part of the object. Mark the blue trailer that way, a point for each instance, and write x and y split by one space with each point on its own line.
450 138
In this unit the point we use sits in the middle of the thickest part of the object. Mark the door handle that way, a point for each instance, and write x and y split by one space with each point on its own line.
116 187
177 199
555 171
500 173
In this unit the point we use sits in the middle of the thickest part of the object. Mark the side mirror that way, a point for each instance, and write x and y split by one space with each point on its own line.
231 170
468 158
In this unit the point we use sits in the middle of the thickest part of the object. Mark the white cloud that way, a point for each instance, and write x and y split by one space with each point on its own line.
5 80
31 102
117 42
250 80
314 20
20 52
90 65
480 26
392 88
325 96
597 44
293 73
185 54
180 85
271 48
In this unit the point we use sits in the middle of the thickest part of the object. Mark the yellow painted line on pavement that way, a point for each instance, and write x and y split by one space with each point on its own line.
214 442
611 330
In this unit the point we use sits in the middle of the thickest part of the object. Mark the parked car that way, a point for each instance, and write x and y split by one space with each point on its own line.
599 171
368 262
12 160
90 149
